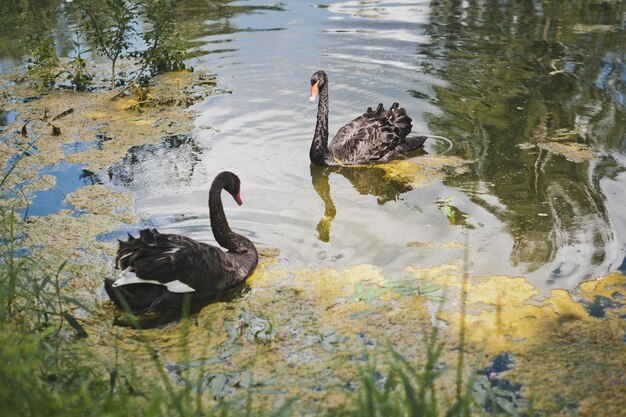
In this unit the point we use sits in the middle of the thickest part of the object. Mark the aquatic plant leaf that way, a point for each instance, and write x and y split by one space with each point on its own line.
361 314
230 330
230 351
328 333
507 406
327 346
403 287
199 362
429 288
448 212
285 410
438 298
370 295
217 385
480 389
80 330
247 380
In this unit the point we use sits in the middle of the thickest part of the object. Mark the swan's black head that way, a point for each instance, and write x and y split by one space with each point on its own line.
230 182
318 81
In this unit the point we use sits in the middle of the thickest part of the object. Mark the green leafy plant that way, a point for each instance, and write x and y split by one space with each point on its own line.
166 51
43 63
77 72
110 25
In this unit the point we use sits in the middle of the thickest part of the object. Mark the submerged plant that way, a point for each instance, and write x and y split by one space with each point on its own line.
370 292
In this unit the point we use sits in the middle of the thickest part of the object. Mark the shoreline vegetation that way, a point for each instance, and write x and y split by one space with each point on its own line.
306 342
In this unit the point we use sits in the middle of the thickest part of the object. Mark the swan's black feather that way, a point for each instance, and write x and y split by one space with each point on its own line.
165 258
376 136
168 257
371 136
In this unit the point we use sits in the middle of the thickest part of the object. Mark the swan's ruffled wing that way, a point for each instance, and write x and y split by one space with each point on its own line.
371 136
166 258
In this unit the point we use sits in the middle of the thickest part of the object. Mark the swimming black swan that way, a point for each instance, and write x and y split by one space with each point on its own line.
374 137
160 269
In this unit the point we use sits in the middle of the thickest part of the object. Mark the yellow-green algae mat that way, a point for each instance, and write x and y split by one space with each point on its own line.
566 359
298 333
303 333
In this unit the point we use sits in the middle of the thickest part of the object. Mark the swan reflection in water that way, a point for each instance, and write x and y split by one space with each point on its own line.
367 180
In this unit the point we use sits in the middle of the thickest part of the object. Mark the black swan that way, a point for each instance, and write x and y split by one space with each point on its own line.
159 270
374 137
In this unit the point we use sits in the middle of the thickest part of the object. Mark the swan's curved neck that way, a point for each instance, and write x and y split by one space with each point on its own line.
221 230
319 153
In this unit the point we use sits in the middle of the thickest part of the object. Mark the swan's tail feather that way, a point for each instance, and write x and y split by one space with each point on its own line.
414 142
400 121
150 252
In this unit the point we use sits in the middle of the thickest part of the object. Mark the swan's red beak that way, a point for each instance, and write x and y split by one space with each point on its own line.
313 94
238 199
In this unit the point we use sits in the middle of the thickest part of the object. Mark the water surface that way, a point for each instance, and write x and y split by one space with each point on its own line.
498 81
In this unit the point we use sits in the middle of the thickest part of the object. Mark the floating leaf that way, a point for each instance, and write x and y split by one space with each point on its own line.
329 339
327 346
448 212
371 294
217 385
435 298
330 332
400 283
480 389
230 330
199 362
361 314
425 289
230 351
507 406
246 380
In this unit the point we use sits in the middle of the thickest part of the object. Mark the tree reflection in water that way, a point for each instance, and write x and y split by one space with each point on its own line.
534 94
168 164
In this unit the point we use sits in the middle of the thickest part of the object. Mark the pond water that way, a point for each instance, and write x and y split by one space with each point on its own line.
531 94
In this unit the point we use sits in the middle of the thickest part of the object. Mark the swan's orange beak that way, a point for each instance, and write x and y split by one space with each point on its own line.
238 199
313 94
